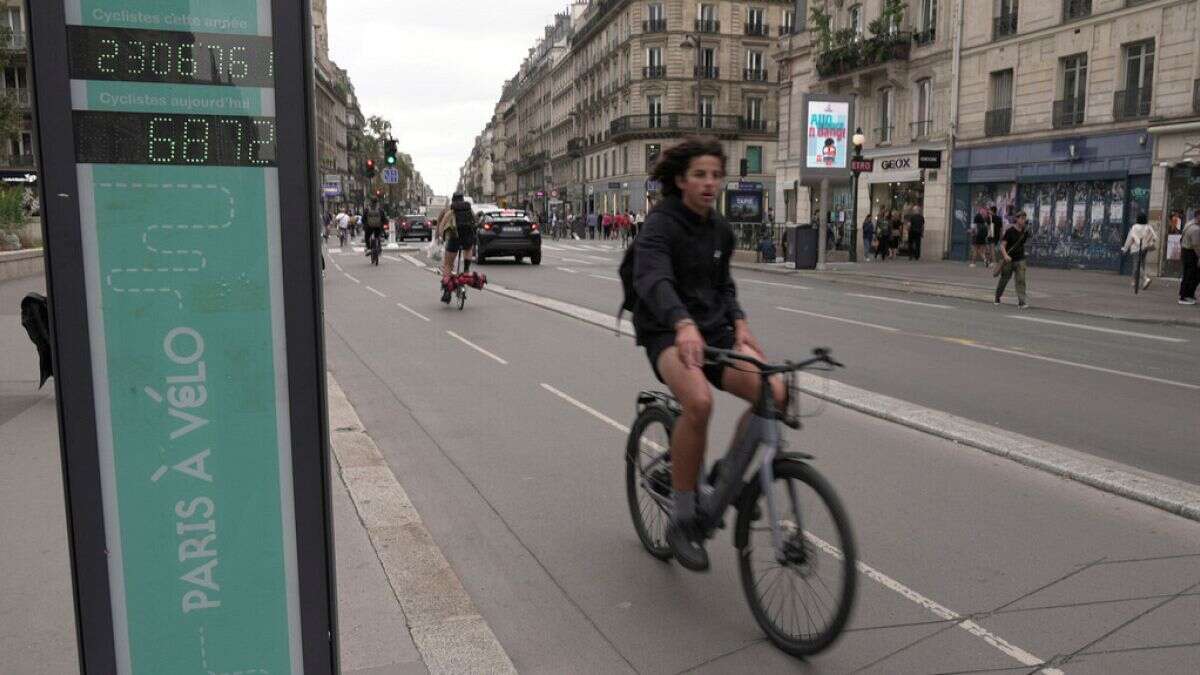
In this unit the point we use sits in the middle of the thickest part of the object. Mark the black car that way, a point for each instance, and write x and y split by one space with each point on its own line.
415 227
509 233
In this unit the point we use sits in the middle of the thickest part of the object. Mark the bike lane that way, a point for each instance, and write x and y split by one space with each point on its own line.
525 493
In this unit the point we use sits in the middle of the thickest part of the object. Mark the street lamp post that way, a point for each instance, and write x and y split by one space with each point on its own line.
858 141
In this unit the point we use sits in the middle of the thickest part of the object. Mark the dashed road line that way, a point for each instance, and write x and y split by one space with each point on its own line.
601 276
1085 366
412 260
838 318
568 270
380 294
477 348
352 278
587 409
898 300
577 261
773 283
1098 329
412 311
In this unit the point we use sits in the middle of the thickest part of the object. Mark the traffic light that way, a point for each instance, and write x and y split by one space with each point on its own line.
370 170
389 152
378 193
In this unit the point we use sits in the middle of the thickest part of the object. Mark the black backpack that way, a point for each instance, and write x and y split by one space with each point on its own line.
629 297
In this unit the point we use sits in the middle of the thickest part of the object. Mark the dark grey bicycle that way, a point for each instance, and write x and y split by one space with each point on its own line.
792 533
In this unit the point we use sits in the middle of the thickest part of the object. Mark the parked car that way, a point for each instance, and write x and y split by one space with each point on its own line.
415 226
508 232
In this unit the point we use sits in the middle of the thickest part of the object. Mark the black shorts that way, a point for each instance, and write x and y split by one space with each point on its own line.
456 244
721 338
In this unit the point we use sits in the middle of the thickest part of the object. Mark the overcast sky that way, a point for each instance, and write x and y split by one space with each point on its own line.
434 68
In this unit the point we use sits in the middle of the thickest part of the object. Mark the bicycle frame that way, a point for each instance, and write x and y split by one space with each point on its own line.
762 429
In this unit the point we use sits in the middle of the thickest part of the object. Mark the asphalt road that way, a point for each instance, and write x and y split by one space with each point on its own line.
524 490
1122 391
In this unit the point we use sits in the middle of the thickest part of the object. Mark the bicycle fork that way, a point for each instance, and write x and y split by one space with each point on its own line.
766 475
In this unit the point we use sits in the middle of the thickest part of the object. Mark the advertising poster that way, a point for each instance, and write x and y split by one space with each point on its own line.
828 124
1116 203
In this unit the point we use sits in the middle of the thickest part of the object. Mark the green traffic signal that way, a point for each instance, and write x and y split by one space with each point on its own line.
389 152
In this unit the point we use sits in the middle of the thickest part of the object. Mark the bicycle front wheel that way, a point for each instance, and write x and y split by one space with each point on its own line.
800 596
648 479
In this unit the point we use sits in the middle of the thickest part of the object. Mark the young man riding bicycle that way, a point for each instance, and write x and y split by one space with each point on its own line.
373 222
687 301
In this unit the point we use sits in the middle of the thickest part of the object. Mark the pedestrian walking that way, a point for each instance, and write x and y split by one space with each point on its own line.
638 221
997 232
1141 240
1012 252
868 230
916 231
897 237
593 221
981 236
1189 245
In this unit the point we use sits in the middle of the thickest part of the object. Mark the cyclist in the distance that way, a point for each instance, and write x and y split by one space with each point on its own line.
373 221
687 301
456 227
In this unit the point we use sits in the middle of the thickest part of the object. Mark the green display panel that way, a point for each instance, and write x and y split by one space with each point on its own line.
174 119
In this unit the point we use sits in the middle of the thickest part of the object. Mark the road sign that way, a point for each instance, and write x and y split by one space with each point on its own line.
391 175
188 348
862 165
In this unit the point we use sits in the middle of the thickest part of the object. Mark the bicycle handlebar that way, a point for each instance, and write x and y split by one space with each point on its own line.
820 355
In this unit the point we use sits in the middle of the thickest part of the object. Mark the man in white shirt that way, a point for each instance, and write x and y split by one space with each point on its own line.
1141 240
343 225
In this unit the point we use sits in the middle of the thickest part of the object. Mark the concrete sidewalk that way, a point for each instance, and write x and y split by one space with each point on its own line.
37 618
1085 292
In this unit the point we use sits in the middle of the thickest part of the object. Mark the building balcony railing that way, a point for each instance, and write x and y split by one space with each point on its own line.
997 122
1076 9
922 129
754 74
1067 113
1132 104
1004 26
785 29
864 54
14 42
1196 96
575 147
654 72
925 37
17 161
884 134
667 124
654 26
755 125
758 29
708 26
706 72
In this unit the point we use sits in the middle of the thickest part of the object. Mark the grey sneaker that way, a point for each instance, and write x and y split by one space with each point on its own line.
1022 305
687 544
1187 301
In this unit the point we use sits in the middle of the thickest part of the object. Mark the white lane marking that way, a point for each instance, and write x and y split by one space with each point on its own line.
1098 329
352 278
903 302
412 260
601 276
596 257
338 267
838 318
568 270
412 311
548 247
335 250
576 261
587 409
1061 362
933 606
772 283
939 610
376 292
564 247
476 347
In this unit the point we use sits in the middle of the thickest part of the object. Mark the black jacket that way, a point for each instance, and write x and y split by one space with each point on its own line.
681 270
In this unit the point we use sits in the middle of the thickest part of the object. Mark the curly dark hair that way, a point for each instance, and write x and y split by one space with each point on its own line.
676 159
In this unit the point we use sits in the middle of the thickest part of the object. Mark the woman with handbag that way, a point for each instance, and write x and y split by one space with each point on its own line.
1141 240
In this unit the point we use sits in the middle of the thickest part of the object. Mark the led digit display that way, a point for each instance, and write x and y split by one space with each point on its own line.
170 139
174 57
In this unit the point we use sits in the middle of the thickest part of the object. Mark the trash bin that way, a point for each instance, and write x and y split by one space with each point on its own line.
804 247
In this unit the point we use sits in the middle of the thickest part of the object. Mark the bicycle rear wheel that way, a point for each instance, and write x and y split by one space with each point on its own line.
803 602
648 479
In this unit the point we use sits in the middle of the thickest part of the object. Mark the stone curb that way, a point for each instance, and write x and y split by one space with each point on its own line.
945 290
1154 490
445 625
